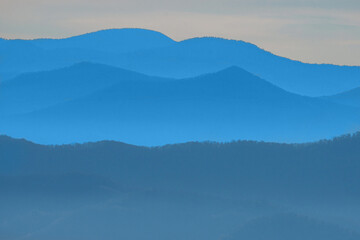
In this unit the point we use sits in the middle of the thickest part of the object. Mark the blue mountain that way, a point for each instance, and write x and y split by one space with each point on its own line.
20 56
351 97
34 91
122 105
153 53
111 40
203 55
238 190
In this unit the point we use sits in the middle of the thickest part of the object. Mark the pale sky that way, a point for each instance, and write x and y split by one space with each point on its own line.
316 31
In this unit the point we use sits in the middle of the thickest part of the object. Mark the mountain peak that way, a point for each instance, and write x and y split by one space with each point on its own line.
235 72
110 40
235 69
126 33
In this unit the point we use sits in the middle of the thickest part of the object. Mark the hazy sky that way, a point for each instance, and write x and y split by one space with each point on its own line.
323 31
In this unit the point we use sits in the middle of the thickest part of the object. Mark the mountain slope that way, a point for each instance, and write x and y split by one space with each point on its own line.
154 54
111 40
237 190
21 56
315 170
203 55
230 104
351 98
34 91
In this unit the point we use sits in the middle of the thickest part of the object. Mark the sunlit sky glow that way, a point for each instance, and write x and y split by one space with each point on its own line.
322 31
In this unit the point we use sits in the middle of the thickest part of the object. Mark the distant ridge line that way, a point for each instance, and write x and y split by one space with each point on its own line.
178 41
348 136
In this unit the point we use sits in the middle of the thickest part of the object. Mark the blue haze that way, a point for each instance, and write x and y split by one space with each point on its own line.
153 53
133 87
239 190
91 102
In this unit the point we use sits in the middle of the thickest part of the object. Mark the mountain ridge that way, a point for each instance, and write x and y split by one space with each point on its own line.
132 107
325 163
335 140
351 97
188 58
184 40
55 86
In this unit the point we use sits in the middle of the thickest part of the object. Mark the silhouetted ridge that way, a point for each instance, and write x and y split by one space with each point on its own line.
155 54
126 32
111 40
116 179
239 83
106 70
123 105
196 190
33 91
236 74
218 41
351 97
342 140
325 167
234 71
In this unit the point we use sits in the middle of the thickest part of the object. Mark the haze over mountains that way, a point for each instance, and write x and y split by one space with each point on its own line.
153 53
350 98
34 91
139 87
90 102
238 190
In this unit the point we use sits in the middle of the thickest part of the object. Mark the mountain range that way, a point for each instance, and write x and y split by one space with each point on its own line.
90 102
350 98
153 53
318 170
128 134
197 190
